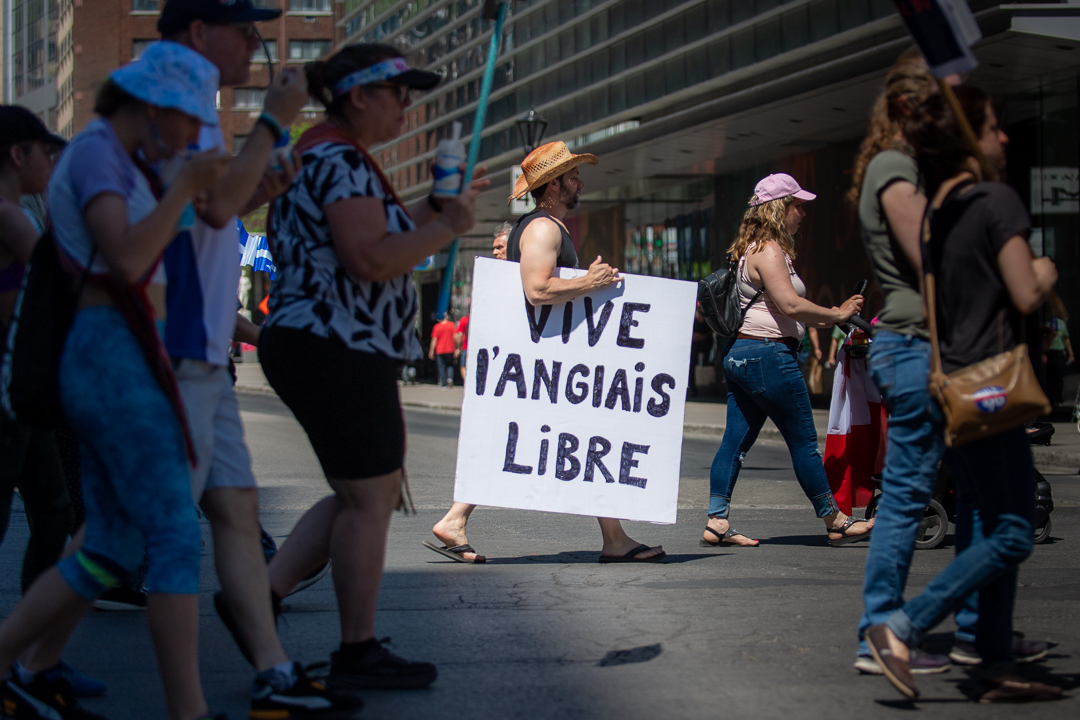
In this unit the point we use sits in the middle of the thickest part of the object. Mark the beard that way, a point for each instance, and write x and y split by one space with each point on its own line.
571 201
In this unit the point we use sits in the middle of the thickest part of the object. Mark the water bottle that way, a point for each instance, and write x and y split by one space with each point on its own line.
449 154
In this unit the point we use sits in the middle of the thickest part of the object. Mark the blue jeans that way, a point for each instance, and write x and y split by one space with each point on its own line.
764 381
900 366
135 479
444 362
998 475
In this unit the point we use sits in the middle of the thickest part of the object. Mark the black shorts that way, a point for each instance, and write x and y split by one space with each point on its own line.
347 401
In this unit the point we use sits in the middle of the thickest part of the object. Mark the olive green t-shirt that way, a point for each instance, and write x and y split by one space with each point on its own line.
902 312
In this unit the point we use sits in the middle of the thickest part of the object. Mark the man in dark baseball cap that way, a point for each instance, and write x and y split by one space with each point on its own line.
179 14
202 321
18 125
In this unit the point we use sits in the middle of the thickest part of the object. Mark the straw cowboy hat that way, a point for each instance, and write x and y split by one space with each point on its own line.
546 163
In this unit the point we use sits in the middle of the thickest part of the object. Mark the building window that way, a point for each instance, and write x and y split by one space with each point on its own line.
308 49
145 5
260 54
309 6
247 98
238 143
138 47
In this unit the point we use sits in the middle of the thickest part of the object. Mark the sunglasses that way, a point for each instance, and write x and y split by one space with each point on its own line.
402 91
247 30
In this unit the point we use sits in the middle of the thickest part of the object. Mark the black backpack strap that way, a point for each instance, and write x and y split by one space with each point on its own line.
742 314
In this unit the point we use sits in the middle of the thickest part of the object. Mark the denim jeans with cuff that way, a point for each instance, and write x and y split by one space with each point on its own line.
998 474
764 381
900 366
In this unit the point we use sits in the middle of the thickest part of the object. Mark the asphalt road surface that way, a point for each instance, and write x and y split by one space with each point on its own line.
544 631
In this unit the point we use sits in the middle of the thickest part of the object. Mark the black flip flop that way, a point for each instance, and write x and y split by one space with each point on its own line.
845 538
630 557
455 553
731 532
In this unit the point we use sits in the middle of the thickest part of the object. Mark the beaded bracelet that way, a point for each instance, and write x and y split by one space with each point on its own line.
271 124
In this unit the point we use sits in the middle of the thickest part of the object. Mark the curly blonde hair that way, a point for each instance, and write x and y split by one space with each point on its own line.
908 77
762 223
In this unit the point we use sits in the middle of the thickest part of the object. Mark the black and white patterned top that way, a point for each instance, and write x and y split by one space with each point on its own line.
313 291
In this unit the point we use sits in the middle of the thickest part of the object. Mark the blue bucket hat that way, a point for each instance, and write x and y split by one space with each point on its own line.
171 75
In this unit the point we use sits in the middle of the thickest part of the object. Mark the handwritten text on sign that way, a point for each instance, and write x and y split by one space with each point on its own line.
575 407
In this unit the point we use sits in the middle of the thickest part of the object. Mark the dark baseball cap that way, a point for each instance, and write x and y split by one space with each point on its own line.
179 14
19 125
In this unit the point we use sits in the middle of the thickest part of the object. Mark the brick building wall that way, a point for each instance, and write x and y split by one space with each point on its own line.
101 41
105 34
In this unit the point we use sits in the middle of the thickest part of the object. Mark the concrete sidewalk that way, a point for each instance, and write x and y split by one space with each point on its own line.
702 418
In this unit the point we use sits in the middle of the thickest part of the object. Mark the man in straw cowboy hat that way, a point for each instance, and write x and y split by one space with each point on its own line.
541 243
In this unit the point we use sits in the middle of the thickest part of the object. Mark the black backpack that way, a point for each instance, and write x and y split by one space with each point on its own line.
721 303
44 309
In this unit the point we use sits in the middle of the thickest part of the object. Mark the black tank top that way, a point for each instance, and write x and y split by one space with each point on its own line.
567 255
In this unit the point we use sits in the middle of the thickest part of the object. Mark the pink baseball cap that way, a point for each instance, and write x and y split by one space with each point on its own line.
777 186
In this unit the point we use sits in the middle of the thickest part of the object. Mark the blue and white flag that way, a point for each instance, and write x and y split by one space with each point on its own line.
255 251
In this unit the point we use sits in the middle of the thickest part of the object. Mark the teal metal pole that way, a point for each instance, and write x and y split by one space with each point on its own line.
474 151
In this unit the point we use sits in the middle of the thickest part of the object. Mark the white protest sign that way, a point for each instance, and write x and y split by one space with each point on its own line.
575 407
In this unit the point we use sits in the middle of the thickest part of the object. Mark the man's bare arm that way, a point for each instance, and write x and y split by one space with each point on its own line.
540 245
246 331
232 193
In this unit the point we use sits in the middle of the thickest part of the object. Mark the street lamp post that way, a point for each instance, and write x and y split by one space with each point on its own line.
531 128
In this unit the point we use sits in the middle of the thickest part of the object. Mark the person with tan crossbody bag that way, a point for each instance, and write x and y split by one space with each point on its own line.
981 282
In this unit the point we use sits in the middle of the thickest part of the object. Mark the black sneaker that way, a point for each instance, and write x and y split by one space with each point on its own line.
306 699
380 669
48 697
121 597
920 663
1024 651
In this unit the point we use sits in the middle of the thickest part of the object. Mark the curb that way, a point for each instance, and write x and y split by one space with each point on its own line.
260 389
1047 458
1052 458
718 431
431 406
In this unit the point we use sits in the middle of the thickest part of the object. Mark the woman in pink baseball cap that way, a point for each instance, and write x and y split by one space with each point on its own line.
762 370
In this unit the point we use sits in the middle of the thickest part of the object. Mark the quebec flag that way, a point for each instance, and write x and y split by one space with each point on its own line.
255 251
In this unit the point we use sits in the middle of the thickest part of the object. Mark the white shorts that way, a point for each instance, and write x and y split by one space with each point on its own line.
214 418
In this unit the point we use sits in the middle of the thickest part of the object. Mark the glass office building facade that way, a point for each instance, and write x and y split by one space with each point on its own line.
31 55
585 63
689 102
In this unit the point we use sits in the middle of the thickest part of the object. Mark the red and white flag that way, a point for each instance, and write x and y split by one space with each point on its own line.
855 445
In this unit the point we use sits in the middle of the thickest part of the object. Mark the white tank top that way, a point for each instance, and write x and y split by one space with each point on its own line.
763 318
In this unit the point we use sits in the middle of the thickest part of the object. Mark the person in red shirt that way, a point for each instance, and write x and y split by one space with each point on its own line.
462 340
443 349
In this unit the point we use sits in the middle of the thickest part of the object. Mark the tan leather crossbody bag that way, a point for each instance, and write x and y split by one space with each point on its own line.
989 397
